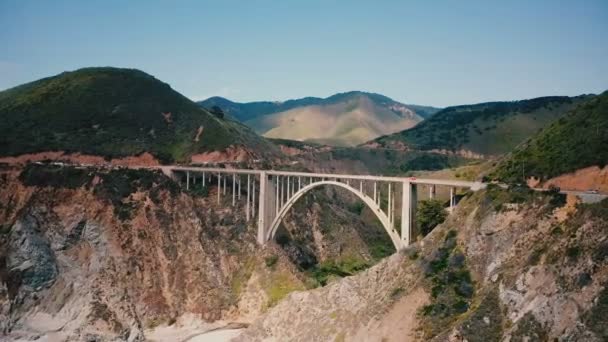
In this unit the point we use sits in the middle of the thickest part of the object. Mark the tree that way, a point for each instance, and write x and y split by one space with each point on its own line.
430 213
217 111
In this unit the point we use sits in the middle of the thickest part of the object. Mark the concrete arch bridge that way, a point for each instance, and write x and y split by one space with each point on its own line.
270 194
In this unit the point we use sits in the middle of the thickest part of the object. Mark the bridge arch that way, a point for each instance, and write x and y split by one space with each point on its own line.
395 238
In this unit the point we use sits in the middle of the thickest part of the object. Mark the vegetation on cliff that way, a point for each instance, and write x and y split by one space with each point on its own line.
452 290
429 214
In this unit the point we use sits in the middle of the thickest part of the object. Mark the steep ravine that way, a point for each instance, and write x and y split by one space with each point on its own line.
91 254
507 265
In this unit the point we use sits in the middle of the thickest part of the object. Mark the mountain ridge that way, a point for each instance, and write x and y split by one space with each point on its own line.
484 129
343 119
260 108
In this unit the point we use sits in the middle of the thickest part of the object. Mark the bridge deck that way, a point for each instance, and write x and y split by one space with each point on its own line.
414 180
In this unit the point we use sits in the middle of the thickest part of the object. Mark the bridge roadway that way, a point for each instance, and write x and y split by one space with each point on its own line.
277 192
414 180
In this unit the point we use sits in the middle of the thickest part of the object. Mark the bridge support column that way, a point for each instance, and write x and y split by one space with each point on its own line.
389 206
432 191
452 202
219 187
408 212
247 212
262 212
233 189
187 180
276 198
375 192
253 198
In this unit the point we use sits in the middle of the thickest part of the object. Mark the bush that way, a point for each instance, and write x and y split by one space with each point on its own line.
270 261
217 111
430 213
451 287
326 270
356 207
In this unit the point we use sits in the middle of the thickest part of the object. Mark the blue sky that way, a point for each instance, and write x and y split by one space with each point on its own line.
425 52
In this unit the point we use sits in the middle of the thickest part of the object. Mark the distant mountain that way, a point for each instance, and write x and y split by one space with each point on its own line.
486 129
577 140
343 119
252 110
113 112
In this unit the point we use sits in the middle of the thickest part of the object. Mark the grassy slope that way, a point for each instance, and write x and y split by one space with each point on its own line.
488 128
577 140
111 112
343 121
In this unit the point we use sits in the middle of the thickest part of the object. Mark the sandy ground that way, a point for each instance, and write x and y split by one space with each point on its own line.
192 329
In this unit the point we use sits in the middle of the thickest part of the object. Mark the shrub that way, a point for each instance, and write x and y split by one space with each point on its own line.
450 284
356 207
270 261
323 272
396 292
217 111
430 213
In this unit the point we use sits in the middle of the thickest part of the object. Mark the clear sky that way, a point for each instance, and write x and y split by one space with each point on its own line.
424 52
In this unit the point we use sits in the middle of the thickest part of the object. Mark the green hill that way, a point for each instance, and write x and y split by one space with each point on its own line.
488 129
577 140
344 119
113 112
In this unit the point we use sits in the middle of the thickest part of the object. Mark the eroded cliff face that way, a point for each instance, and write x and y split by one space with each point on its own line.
506 266
111 254
108 254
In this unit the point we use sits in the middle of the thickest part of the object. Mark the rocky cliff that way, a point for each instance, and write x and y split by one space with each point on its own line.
507 265
95 254
104 255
